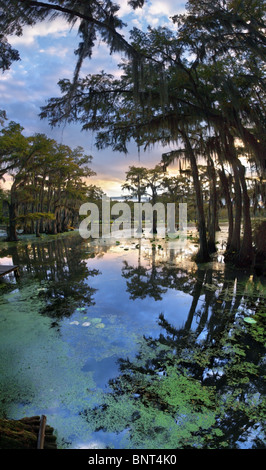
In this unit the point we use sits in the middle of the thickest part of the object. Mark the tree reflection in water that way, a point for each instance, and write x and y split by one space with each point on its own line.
200 385
60 268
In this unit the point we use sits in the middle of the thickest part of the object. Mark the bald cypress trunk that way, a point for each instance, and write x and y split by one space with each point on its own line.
246 253
228 201
240 251
12 229
212 213
203 253
234 246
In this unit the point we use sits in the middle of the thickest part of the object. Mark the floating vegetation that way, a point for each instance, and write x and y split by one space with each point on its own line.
100 325
190 377
250 320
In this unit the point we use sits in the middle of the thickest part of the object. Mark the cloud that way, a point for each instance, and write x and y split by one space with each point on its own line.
55 51
165 8
47 54
153 13
57 28
152 8
111 167
125 8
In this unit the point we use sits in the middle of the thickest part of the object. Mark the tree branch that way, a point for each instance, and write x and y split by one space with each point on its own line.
89 19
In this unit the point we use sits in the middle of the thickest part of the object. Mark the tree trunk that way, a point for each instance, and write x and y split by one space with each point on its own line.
12 231
139 229
235 241
203 253
41 203
48 224
195 298
154 218
257 147
246 253
54 227
66 218
212 211
37 228
227 196
59 220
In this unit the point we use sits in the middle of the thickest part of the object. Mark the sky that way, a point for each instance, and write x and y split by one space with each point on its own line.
47 55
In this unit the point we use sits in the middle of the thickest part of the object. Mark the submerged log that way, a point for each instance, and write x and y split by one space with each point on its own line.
26 433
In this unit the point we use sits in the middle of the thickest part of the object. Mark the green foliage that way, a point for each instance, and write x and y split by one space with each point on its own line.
187 90
95 18
47 181
196 385
135 181
161 411
187 391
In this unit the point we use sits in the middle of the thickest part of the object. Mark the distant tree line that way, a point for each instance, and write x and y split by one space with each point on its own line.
217 188
198 85
48 183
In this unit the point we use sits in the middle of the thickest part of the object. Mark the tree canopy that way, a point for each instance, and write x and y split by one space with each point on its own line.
48 181
198 85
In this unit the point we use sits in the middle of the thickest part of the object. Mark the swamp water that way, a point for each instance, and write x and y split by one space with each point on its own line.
132 345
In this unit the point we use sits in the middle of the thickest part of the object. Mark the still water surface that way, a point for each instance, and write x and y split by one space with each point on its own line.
132 345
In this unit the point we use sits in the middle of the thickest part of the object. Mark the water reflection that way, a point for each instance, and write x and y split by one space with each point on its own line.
61 271
199 385
143 281
186 389
160 344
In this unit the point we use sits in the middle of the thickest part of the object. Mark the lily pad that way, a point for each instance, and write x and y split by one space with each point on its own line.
86 323
80 309
100 325
74 323
250 320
